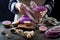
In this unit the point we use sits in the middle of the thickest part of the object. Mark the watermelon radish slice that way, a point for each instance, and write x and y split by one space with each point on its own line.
42 28
6 22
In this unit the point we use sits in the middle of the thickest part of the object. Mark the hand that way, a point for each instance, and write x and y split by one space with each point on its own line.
37 14
40 11
44 12
40 14
18 7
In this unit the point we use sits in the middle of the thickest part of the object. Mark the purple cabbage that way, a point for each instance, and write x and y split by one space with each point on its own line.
40 8
24 18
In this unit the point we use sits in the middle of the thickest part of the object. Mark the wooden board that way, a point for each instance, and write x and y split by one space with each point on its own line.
24 27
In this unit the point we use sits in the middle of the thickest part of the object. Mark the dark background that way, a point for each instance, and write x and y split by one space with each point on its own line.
56 11
5 14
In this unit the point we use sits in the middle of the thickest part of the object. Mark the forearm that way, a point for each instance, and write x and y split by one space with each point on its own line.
49 5
11 6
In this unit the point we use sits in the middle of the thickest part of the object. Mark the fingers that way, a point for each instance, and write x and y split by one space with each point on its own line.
44 12
19 7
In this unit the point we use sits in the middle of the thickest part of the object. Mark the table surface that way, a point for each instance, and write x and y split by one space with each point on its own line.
38 35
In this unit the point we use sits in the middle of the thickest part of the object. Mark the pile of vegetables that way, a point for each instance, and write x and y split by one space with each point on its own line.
33 13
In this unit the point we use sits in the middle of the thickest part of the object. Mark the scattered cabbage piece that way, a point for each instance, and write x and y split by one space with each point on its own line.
53 32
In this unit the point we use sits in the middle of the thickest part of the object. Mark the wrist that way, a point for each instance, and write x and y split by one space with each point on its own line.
16 6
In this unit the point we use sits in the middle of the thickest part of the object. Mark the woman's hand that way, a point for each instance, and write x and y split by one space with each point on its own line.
37 14
19 8
41 13
44 12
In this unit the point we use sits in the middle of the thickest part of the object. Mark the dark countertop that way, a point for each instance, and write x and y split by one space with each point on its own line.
38 35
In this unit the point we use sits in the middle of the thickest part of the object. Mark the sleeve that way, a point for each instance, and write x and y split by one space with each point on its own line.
49 4
11 6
